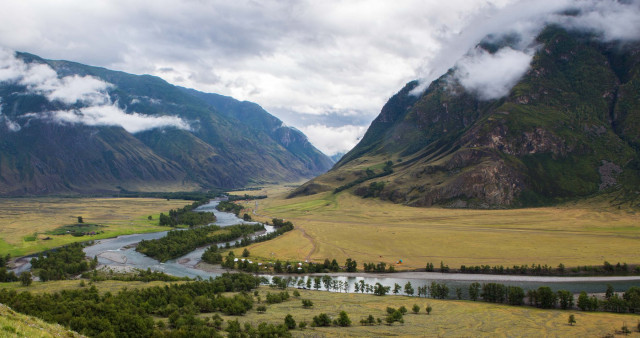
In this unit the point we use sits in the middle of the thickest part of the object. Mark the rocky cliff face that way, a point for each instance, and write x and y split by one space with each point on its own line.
569 128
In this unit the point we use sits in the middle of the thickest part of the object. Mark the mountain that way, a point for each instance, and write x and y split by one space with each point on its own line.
336 157
569 128
66 127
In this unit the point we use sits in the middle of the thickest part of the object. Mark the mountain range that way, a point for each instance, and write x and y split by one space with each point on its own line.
66 128
568 128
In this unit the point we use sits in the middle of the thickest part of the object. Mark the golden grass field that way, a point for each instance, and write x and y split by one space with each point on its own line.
449 318
20 218
370 230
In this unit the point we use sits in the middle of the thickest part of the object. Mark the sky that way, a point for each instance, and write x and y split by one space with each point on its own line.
324 67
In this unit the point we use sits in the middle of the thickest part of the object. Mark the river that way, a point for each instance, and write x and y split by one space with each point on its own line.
120 252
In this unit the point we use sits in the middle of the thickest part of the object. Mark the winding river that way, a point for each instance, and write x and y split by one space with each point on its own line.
120 252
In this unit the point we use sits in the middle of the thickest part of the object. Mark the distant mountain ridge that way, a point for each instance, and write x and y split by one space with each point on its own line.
569 128
179 139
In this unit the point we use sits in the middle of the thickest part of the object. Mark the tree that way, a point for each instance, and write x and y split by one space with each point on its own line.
245 253
380 290
408 289
80 220
566 299
307 303
415 308
583 301
289 322
429 309
396 288
351 265
546 298
609 292
321 320
343 319
150 218
459 293
25 278
474 291
572 320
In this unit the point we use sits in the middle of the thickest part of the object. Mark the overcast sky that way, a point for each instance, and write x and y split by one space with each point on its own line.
325 67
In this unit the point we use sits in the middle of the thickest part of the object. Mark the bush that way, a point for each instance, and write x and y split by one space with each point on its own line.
289 322
415 308
343 319
321 320
307 303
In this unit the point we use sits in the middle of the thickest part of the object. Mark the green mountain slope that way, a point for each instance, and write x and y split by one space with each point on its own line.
39 154
568 129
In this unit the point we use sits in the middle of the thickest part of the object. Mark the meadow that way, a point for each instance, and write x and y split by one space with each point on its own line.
345 226
452 318
448 317
26 223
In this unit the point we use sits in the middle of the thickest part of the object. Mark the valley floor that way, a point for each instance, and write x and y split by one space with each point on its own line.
345 226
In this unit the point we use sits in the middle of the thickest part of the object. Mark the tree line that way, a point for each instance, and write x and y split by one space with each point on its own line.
180 242
130 313
186 216
62 262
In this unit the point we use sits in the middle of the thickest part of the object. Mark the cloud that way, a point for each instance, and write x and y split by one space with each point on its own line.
324 58
332 140
492 76
482 72
89 92
111 115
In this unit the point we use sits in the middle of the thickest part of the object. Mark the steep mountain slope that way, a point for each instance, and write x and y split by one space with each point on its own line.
569 128
133 132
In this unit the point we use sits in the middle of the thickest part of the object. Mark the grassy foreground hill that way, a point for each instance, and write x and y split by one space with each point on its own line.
13 324
568 129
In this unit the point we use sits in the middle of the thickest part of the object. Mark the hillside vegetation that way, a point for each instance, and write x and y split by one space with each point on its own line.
568 129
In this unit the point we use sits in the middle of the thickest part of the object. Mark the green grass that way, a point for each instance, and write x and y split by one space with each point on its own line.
13 324
21 218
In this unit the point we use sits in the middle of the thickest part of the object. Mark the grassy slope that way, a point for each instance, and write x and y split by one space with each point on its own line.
13 324
20 218
368 230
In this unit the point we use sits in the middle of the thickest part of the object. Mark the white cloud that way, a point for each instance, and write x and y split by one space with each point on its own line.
111 115
492 76
88 91
332 140
316 56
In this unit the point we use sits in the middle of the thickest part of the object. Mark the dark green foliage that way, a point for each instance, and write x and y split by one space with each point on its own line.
321 320
289 322
515 295
351 265
129 312
62 262
25 278
545 298
408 289
415 308
7 276
4 260
227 206
212 255
274 298
474 291
181 242
261 308
307 303
439 291
393 316
572 319
186 216
380 267
343 319
380 290
566 299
